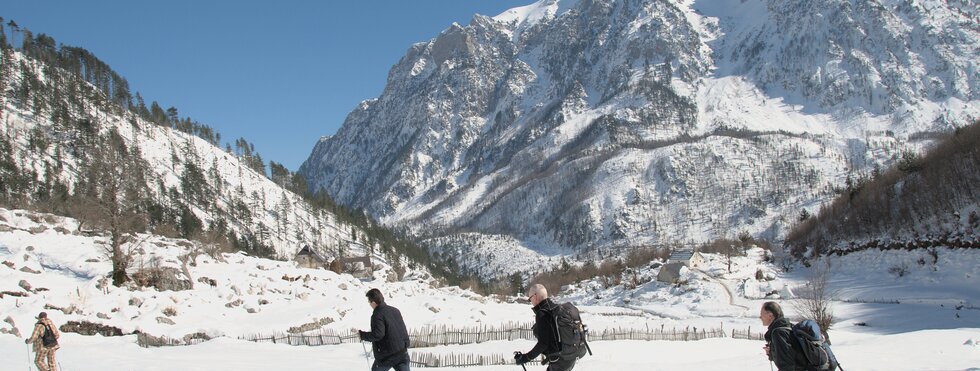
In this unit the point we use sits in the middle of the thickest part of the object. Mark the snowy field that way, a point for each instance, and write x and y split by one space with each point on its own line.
934 326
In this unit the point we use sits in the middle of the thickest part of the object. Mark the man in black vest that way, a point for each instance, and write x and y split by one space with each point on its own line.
546 332
388 335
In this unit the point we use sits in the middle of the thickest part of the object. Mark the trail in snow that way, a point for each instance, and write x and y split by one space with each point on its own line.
728 292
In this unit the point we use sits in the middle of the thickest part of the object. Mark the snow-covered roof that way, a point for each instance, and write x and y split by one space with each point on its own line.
307 251
681 255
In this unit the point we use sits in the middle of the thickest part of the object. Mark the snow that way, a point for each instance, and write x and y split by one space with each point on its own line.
529 15
936 324
921 350
733 102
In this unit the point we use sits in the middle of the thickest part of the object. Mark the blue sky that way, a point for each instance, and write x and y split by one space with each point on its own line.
280 74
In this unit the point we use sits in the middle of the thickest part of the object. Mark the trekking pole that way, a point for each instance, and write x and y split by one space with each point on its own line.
770 365
28 357
522 365
366 354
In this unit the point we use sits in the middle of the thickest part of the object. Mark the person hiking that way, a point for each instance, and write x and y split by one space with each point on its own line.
388 335
781 345
45 338
546 332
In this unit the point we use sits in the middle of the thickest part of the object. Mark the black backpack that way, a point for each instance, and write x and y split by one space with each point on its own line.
47 338
572 333
815 349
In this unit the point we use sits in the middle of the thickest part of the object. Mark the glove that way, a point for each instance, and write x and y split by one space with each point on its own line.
27 341
521 358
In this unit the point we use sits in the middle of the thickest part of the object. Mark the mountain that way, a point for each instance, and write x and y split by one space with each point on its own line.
582 127
76 142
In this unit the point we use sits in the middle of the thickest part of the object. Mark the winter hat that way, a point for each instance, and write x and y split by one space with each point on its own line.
42 315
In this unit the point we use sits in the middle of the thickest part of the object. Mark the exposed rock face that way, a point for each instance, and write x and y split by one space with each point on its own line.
596 124
89 328
163 279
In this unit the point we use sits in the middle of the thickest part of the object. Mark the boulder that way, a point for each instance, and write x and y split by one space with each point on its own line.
162 279
90 328
165 320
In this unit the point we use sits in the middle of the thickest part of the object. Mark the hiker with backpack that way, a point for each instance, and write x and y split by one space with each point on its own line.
45 338
799 347
559 330
388 335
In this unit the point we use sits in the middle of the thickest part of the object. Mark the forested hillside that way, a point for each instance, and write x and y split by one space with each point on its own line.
78 141
924 201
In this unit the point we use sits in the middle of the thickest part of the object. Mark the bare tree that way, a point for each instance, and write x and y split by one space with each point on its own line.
112 200
814 301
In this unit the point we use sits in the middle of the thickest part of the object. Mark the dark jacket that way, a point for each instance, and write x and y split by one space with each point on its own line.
388 336
784 350
544 329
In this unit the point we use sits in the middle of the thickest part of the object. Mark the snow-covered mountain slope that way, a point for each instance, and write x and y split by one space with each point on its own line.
572 126
873 56
56 130
935 325
222 294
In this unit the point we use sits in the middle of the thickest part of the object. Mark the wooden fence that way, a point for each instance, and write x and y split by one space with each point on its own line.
324 337
673 334
444 335
458 360
425 337
150 341
871 301
430 336
748 334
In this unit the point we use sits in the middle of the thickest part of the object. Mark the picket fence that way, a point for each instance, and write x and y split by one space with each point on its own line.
431 336
747 334
425 337
419 359
445 335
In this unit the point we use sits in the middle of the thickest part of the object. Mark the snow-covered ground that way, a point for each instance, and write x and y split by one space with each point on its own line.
936 324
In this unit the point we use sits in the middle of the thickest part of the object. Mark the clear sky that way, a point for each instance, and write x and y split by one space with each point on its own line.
278 73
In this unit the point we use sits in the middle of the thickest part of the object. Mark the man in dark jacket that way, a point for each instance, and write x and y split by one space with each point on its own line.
781 345
546 332
388 335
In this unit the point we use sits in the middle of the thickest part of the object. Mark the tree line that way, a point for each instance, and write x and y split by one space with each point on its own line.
916 201
73 67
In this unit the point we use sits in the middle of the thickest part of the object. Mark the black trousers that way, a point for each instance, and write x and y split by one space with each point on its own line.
562 365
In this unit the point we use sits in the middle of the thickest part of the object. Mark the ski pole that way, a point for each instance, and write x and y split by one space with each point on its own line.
522 365
366 354
28 357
